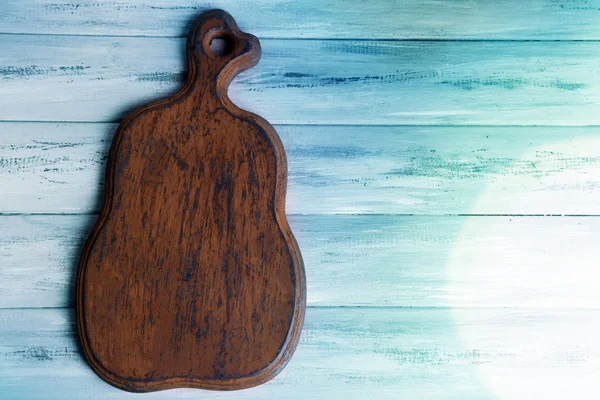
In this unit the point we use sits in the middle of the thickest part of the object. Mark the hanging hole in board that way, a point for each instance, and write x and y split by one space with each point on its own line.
221 45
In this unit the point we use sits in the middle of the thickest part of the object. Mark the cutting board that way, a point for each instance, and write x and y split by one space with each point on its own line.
191 276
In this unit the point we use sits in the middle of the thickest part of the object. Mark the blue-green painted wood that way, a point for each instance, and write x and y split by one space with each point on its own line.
399 19
59 168
493 307
382 353
363 260
98 79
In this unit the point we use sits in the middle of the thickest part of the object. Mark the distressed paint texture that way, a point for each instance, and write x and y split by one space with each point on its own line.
419 305
345 19
383 260
342 169
99 79
355 353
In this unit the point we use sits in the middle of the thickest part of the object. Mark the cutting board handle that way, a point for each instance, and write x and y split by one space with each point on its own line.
238 51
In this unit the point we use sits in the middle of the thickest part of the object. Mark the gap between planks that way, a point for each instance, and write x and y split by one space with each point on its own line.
58 214
324 38
380 307
353 125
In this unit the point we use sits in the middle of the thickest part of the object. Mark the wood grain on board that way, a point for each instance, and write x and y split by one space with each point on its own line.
332 82
344 19
191 276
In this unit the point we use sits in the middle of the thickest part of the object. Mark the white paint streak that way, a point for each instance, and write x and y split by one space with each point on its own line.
401 19
99 79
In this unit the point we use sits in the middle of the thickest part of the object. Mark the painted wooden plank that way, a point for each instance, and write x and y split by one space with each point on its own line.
382 353
503 19
59 168
98 79
362 260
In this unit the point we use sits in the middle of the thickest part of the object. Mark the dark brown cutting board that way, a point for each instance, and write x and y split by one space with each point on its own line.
191 277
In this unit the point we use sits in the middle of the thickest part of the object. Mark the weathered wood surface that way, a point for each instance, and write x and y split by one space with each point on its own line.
362 260
99 79
347 19
381 353
543 345
59 168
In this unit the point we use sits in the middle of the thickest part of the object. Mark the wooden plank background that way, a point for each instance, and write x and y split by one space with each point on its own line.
341 82
342 169
381 353
306 19
361 260
444 185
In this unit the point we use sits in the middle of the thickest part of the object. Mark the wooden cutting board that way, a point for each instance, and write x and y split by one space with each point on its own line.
191 277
